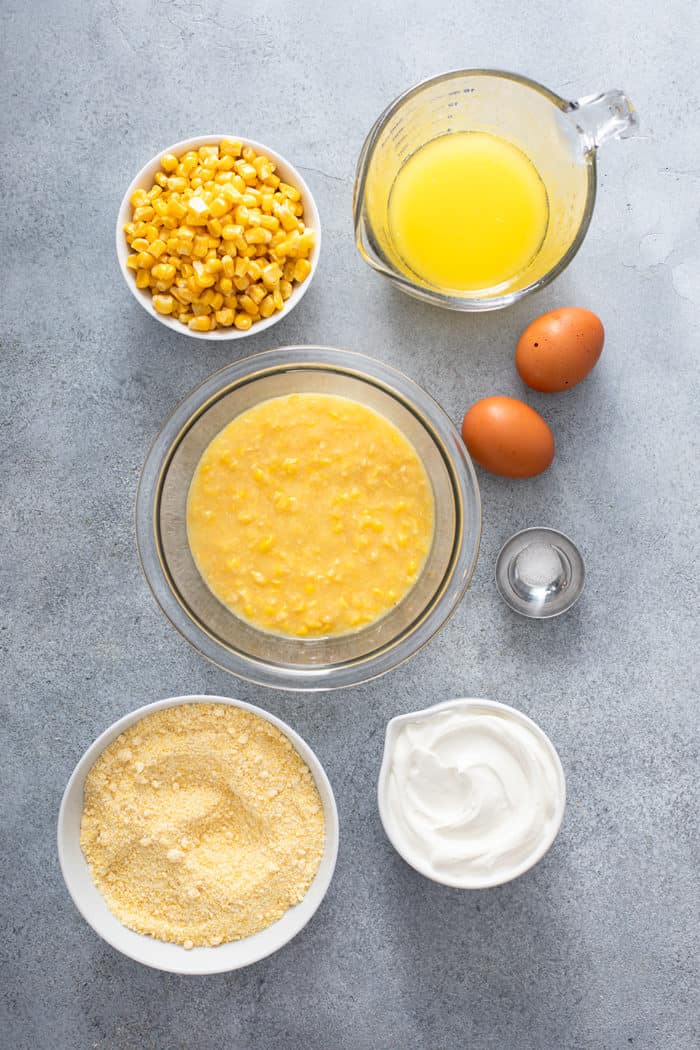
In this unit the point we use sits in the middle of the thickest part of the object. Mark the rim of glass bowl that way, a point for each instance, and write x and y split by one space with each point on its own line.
458 465
475 303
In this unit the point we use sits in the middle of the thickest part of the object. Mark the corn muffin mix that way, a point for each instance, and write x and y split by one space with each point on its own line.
201 825
310 515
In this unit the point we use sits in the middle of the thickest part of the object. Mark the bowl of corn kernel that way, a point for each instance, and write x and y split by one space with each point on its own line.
218 237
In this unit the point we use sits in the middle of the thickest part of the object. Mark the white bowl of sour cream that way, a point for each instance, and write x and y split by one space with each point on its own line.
471 792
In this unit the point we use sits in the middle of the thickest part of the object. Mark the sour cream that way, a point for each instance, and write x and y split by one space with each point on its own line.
471 793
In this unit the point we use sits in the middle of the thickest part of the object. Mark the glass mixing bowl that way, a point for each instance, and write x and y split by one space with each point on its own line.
295 663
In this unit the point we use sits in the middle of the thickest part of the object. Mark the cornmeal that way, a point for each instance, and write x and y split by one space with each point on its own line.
201 824
310 515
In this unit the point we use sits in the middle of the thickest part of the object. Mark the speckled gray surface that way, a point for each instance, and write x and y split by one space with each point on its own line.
594 948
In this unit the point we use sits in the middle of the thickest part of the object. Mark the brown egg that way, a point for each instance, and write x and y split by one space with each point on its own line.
508 437
559 349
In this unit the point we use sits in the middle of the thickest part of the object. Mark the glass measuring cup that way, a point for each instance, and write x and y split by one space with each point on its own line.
560 138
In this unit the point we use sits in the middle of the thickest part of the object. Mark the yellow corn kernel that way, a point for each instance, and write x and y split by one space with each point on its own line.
273 181
286 216
261 161
213 265
160 207
228 265
202 278
240 266
248 154
241 283
277 299
242 215
285 290
266 203
177 183
169 162
225 285
267 306
254 270
290 191
224 317
139 244
247 173
270 222
197 211
163 304
200 323
157 247
132 261
257 293
138 198
306 242
249 305
284 249
258 235
199 308
302 269
176 208
154 193
188 164
231 301
231 147
225 164
243 322
207 297
164 272
271 274
229 231
214 228
288 269
219 207
232 194
142 279
145 261
183 295
200 247
216 301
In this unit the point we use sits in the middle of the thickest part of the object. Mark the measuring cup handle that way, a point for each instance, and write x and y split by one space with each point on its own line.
602 117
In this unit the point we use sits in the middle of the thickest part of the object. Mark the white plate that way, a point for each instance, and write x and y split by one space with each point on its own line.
144 180
160 954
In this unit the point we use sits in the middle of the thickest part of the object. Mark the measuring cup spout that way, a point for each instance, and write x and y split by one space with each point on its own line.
601 117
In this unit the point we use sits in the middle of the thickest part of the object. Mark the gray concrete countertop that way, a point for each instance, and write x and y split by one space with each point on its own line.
593 949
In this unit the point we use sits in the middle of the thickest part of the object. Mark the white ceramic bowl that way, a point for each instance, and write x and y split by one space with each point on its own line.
470 704
144 180
160 954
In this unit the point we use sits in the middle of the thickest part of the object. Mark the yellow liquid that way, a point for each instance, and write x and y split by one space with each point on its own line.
310 515
468 211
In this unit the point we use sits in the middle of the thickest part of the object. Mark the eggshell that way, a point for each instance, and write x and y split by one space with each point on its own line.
559 349
508 437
